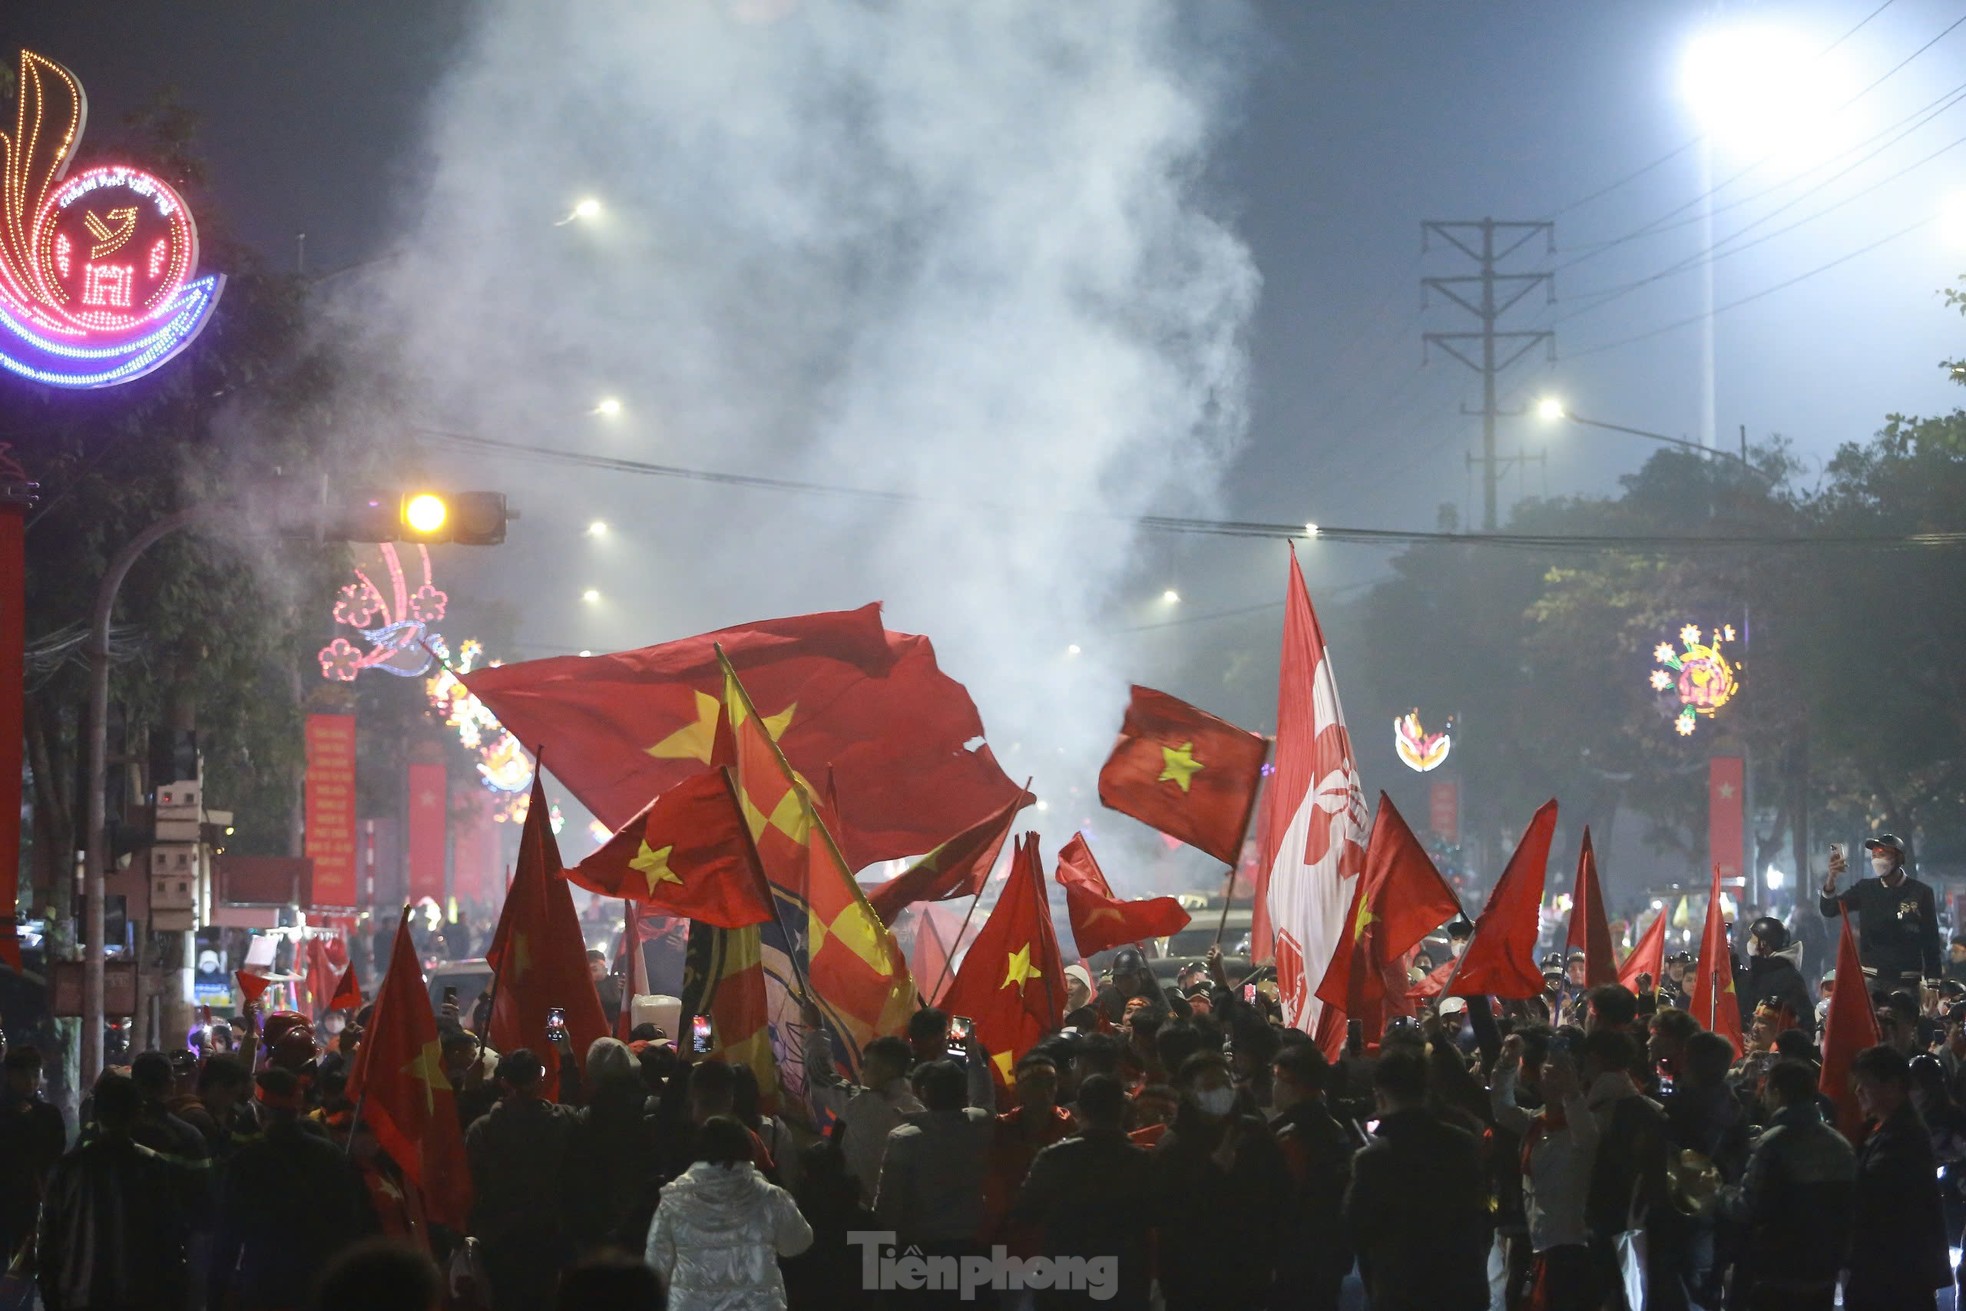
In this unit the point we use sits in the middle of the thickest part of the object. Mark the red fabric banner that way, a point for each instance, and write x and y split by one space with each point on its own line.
1444 810
328 805
1726 811
428 832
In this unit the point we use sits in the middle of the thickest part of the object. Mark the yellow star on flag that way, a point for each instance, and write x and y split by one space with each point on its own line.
1105 913
521 955
428 1070
654 866
1178 765
1019 970
692 741
1364 917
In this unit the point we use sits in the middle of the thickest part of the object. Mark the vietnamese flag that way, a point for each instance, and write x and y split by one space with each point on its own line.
398 1084
835 689
1712 1001
1501 957
251 987
1648 957
1185 772
957 868
321 976
1099 919
538 954
1399 900
1849 1027
1589 929
1012 980
347 994
686 855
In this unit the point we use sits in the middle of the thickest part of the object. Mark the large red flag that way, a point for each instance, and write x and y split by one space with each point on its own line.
1589 928
539 955
835 690
1399 900
1648 956
957 868
1099 919
1012 981
1313 842
1501 957
398 1082
1848 1028
1712 1001
687 855
1185 772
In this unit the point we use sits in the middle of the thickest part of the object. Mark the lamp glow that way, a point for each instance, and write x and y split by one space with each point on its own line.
1170 597
1310 530
425 512
1759 90
609 407
1549 409
591 595
585 210
598 528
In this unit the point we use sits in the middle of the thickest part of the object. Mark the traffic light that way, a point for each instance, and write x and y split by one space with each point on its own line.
465 518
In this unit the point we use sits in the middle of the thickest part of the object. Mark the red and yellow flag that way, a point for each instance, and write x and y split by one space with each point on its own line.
687 855
1712 1001
1399 900
539 955
855 969
1099 919
724 978
957 868
398 1081
1185 772
1012 981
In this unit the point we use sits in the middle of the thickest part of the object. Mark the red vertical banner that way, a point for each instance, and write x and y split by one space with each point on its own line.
476 864
428 838
328 808
1444 810
13 674
1726 815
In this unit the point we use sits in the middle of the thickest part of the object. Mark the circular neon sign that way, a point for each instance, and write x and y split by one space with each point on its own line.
112 245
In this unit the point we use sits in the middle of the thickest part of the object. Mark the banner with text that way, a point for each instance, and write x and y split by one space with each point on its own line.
428 840
328 803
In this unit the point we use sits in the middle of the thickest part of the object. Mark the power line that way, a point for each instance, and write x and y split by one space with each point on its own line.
1230 528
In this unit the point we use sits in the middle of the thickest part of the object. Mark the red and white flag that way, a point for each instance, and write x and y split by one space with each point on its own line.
1313 840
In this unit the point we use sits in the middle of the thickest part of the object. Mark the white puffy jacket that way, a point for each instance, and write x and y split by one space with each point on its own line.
717 1236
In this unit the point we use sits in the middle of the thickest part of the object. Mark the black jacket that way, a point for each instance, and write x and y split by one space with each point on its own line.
1091 1195
1795 1201
112 1231
32 1138
1776 976
1897 928
288 1202
517 1152
1316 1255
1220 1230
1418 1216
1898 1240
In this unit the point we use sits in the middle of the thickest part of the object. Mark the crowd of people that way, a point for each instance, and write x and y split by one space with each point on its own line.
1178 1143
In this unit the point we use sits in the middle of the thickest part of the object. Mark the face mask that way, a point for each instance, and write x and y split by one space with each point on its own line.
1215 1102
1880 865
335 1024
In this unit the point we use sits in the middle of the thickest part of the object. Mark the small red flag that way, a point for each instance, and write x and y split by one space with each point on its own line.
1649 956
1712 1001
399 1083
1184 772
1501 957
251 986
347 993
1589 929
1399 900
1849 1027
957 868
687 855
539 955
1099 919
1012 980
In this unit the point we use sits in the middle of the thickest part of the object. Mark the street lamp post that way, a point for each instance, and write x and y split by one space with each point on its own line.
1551 408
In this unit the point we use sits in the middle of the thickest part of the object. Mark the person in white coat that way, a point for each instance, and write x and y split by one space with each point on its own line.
721 1227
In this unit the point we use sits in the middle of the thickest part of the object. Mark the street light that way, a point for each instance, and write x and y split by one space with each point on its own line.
1170 597
609 407
585 210
1762 91
1552 408
598 528
591 595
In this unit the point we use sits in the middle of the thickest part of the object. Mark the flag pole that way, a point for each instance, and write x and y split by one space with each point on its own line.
362 1101
1038 892
1228 895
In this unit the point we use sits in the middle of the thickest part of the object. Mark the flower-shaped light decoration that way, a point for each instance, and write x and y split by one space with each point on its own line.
356 605
427 605
395 624
1699 676
340 661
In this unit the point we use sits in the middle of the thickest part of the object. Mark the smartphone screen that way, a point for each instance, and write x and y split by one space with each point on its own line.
450 994
1249 993
960 1027
700 1037
556 1022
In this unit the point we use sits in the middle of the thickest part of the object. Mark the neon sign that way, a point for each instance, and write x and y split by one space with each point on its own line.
395 626
97 270
1699 676
1418 749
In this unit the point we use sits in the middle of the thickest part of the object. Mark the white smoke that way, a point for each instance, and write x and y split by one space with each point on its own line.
962 251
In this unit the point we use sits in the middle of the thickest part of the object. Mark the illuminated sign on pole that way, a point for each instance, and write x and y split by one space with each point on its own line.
98 270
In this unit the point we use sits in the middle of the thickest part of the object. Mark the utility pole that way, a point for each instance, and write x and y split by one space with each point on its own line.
1488 295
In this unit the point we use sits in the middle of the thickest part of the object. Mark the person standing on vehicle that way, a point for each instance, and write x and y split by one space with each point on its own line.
1898 920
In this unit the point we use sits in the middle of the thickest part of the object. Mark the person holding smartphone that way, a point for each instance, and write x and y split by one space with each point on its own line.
1897 915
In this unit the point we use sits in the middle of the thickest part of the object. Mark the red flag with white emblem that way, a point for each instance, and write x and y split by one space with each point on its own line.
398 1082
1012 981
1313 841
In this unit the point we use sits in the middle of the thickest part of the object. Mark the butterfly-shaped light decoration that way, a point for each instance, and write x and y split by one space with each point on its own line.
97 268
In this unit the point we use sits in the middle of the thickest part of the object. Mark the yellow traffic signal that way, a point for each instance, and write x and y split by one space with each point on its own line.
425 513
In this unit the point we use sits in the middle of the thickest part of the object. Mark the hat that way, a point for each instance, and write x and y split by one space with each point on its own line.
1452 1005
1680 958
1460 928
1576 954
1082 974
1884 840
1553 960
